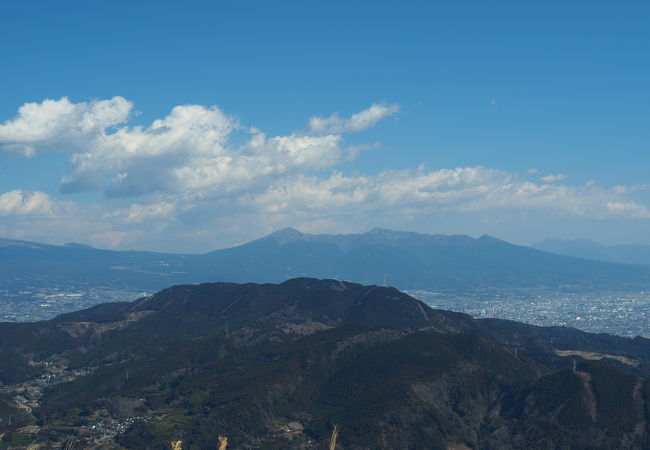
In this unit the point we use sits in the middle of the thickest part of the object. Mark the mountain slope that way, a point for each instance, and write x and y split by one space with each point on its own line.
405 260
416 261
275 366
584 248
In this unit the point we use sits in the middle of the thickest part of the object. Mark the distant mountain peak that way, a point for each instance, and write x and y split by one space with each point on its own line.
486 238
385 232
11 242
77 245
380 230
287 231
391 234
286 235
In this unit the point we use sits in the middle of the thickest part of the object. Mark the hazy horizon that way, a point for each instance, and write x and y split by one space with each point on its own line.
235 244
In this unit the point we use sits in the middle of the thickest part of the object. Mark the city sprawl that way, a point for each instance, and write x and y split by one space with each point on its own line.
620 313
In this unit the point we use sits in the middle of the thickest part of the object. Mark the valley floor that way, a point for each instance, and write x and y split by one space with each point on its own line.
618 313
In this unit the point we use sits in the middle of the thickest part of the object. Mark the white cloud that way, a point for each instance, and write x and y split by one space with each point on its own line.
554 178
355 123
253 165
469 197
620 189
161 157
59 125
201 180
189 150
19 203
425 192
138 213
630 210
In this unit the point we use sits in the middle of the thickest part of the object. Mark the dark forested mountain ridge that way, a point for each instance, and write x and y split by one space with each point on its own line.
275 366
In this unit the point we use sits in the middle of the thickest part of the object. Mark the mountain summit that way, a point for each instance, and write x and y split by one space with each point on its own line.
416 261
285 236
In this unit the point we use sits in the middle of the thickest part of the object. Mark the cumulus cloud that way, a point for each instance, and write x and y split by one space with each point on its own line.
628 209
423 192
620 189
198 176
554 178
138 213
192 148
60 125
19 203
333 203
355 123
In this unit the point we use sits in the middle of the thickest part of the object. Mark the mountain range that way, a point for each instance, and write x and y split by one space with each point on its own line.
584 248
276 366
402 259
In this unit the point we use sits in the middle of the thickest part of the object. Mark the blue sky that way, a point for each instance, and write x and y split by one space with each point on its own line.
523 120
